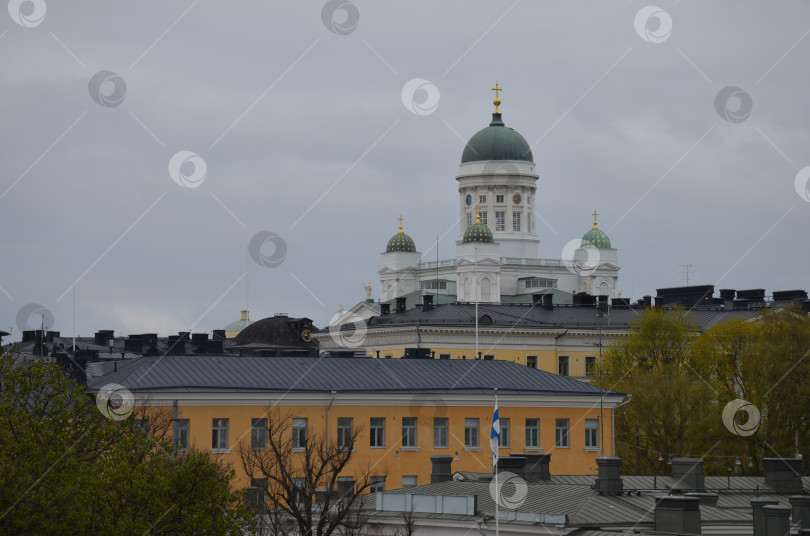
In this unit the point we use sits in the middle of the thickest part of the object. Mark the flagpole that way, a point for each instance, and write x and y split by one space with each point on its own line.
497 488
475 290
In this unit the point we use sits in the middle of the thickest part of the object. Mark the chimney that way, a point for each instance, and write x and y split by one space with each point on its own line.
27 335
385 309
213 347
677 514
537 299
659 301
647 301
801 510
514 463
536 467
548 302
783 473
218 335
184 335
806 306
757 504
427 302
609 481
401 305
133 345
777 520
688 474
244 315
442 471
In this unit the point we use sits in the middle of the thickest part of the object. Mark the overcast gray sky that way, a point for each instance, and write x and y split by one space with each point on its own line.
296 110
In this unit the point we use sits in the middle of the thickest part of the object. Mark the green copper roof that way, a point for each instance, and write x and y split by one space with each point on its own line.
478 232
238 326
596 239
496 142
400 242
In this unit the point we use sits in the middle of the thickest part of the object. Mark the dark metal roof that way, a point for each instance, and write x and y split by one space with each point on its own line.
206 373
534 316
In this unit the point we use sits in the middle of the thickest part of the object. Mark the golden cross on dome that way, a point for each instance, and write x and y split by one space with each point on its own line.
497 101
400 222
595 214
477 213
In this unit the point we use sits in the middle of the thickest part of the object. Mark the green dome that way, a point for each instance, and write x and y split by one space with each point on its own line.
496 142
400 242
595 239
478 232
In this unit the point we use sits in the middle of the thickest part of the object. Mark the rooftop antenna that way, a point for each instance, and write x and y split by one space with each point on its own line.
247 280
74 318
687 271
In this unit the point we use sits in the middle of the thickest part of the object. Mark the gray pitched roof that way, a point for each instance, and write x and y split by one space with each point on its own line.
534 316
205 373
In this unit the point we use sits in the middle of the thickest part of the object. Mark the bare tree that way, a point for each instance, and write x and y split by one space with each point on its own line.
296 486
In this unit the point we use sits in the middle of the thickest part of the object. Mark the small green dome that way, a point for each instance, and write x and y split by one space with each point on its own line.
400 242
478 232
595 239
496 142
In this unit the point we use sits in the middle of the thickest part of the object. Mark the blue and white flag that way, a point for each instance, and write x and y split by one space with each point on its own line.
494 435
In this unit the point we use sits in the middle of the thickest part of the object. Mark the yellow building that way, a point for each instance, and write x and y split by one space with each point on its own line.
406 410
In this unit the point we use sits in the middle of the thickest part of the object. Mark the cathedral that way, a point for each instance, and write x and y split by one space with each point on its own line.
497 257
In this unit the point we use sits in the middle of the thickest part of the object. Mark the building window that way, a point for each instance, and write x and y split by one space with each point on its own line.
562 432
219 434
500 220
533 433
483 217
489 357
299 433
563 366
377 431
591 433
408 481
299 490
377 484
516 221
444 356
503 439
541 283
590 366
258 434
499 199
531 361
470 432
440 432
345 485
434 285
482 199
181 437
409 432
469 220
344 431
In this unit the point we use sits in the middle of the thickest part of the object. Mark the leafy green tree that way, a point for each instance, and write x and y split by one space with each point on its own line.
66 469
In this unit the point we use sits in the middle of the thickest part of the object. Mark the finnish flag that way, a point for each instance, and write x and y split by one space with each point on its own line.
493 436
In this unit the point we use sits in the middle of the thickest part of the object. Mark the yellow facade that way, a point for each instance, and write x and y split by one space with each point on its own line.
394 461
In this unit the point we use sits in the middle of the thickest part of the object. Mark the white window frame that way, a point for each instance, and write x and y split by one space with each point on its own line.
500 220
409 433
592 367
483 214
345 428
471 435
300 432
503 439
181 441
441 429
562 433
532 359
516 222
258 434
409 481
563 359
533 434
377 432
499 199
377 483
592 434
219 435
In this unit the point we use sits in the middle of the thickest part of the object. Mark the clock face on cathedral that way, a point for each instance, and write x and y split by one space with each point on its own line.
469 200
516 199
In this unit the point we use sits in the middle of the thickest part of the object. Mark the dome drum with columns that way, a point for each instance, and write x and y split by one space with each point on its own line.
497 257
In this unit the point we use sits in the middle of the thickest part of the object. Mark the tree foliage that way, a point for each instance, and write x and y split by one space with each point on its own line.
682 380
66 469
297 487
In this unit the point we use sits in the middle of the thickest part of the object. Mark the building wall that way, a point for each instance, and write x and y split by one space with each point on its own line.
393 460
